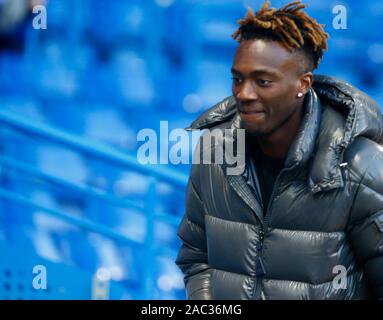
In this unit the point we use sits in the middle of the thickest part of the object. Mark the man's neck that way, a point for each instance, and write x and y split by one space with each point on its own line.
277 145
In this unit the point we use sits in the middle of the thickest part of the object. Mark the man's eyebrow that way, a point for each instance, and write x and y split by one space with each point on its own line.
256 72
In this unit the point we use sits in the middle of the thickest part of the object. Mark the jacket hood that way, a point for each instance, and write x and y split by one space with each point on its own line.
336 114
363 117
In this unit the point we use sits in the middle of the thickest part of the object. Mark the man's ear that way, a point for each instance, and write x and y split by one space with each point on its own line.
306 80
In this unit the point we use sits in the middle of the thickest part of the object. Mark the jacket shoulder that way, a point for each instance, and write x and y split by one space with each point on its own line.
365 161
220 112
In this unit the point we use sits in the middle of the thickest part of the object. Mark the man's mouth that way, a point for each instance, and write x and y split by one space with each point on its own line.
250 108
252 115
251 111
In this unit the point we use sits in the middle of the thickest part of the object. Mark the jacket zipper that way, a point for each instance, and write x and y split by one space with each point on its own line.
260 264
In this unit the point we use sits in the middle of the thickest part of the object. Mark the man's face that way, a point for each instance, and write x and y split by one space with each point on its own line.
266 81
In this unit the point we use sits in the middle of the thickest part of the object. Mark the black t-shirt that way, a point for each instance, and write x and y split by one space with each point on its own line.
268 169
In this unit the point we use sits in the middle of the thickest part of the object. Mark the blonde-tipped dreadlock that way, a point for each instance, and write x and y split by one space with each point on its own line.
289 24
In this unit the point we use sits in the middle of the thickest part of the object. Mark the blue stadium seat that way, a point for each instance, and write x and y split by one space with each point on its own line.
129 19
18 278
119 133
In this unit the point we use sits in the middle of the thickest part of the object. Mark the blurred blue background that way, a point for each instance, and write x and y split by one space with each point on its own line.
73 97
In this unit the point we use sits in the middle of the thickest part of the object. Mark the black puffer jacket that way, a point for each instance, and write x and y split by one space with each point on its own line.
326 209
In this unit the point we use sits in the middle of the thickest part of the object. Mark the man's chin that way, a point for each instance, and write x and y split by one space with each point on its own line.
256 132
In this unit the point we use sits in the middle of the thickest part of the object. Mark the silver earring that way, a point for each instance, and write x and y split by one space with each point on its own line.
300 94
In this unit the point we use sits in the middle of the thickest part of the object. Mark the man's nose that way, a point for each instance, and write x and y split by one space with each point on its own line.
246 92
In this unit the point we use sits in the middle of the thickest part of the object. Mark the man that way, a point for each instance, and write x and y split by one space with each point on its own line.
305 218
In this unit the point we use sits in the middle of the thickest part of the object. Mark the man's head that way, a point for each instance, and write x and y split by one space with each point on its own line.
273 64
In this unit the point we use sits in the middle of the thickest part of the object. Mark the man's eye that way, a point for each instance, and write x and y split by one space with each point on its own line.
264 82
236 80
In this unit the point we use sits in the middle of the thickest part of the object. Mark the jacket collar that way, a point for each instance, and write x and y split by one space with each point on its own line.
326 167
303 145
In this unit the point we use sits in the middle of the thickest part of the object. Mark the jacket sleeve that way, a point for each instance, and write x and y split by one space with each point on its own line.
192 256
365 231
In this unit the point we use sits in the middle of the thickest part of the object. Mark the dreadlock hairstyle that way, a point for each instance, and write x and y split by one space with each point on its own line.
289 25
